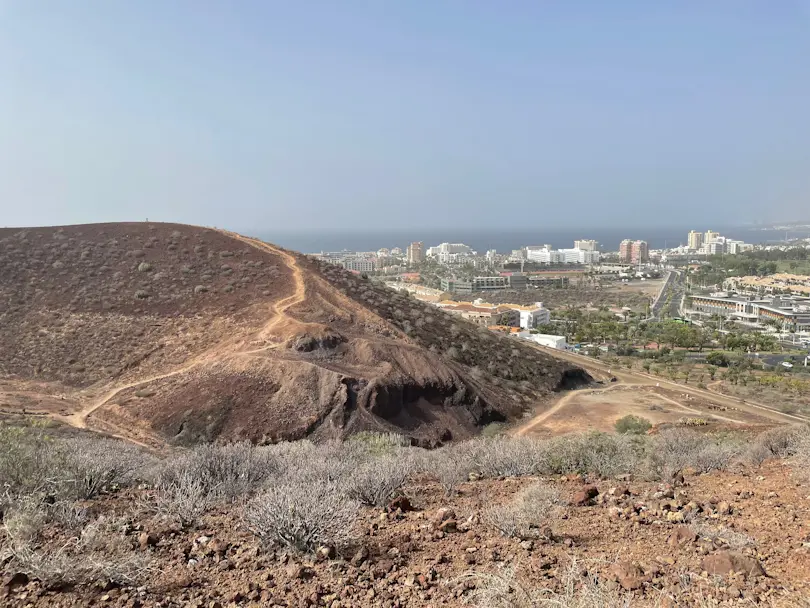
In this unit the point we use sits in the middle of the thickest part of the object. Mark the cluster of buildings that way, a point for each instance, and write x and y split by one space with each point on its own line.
779 282
513 281
498 315
791 312
713 243
583 252
451 253
458 254
634 252
352 260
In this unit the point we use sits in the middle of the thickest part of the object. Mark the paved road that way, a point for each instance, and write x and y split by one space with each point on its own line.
673 286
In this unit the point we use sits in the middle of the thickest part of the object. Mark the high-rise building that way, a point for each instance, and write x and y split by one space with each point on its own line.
634 252
416 253
641 252
586 245
710 236
695 239
625 250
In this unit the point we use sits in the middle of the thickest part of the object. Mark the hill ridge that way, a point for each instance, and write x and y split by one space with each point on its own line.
235 337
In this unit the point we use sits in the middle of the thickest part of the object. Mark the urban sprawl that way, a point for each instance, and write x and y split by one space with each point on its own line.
457 278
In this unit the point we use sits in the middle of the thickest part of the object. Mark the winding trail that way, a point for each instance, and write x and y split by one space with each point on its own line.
635 379
278 314
561 403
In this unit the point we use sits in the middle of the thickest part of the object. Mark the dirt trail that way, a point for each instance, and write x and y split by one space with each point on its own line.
278 314
280 307
541 418
640 378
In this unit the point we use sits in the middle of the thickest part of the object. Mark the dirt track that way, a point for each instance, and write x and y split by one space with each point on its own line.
630 380
278 313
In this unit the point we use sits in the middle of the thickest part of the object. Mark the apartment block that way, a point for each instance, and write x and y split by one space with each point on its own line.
416 252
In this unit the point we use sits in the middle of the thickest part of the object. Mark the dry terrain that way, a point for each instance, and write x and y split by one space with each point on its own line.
673 519
181 334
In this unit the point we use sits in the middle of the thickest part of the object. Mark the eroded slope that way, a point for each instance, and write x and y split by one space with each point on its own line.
189 334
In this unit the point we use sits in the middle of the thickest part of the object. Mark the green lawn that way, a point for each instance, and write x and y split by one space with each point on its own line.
798 266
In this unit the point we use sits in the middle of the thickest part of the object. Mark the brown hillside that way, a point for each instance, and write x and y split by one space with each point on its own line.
186 334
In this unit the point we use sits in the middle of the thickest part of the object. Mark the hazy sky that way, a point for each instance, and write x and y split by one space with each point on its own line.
344 114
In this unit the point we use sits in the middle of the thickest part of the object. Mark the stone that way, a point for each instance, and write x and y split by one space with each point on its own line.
629 576
444 514
146 540
448 525
400 503
18 579
726 562
295 571
585 496
681 536
360 557
724 508
217 546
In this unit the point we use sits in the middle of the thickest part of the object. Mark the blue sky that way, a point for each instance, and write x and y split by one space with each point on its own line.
353 115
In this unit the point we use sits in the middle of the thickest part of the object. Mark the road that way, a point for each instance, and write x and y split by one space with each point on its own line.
668 302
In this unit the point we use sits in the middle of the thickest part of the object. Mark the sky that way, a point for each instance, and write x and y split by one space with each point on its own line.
364 115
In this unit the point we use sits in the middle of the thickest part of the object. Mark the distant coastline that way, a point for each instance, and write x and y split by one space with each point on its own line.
507 240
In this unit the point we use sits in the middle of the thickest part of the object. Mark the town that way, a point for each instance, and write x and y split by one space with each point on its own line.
459 280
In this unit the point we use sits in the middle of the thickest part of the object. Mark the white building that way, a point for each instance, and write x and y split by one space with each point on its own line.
544 255
530 316
586 245
549 340
359 264
541 255
450 253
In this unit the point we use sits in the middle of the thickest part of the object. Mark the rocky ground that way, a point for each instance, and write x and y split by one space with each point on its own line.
725 538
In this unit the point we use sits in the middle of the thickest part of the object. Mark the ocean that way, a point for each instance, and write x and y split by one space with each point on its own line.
505 241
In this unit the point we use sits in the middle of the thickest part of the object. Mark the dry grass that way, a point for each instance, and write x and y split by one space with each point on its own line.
529 515
303 518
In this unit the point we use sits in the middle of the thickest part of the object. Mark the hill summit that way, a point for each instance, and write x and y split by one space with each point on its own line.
183 334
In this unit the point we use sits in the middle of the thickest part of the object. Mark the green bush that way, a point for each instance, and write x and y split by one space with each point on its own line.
718 359
635 425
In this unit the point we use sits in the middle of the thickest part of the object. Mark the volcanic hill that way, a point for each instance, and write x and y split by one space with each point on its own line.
183 334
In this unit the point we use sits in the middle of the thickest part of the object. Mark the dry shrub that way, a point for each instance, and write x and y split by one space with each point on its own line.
376 482
92 464
505 590
675 449
507 457
528 515
98 552
779 442
379 443
27 461
220 472
303 517
183 499
597 453
801 458
721 535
